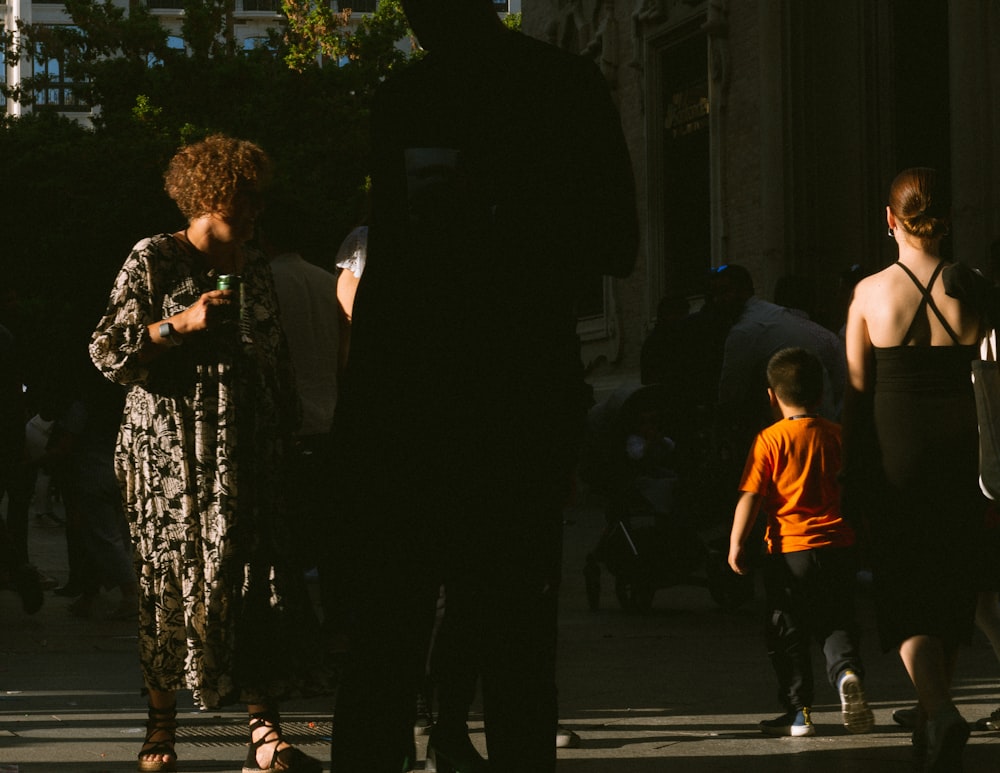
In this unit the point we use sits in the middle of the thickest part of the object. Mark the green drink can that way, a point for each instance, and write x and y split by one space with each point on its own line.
232 282
228 282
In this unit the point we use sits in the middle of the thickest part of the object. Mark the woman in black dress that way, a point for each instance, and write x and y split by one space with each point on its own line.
911 453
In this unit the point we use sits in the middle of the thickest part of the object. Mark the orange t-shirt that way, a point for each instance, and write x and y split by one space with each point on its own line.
793 465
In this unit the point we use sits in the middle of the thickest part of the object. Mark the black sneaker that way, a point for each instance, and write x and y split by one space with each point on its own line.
905 717
992 722
794 723
947 734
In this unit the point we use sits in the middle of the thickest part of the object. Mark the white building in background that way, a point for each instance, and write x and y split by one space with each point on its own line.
251 21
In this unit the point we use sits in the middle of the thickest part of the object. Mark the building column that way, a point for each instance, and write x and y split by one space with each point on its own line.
17 9
772 132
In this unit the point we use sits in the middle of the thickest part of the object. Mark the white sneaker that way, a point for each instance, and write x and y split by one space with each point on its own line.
566 738
858 717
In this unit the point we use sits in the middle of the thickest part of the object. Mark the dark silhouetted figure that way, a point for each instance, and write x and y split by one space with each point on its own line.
759 330
15 570
655 358
501 187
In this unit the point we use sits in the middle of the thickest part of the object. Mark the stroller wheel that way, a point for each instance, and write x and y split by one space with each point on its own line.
634 596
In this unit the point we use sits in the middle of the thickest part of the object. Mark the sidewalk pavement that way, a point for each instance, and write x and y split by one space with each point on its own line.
678 689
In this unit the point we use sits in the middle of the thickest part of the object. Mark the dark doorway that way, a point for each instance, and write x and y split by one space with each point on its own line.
687 228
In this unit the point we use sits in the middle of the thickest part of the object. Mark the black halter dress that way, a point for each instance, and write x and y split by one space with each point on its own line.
927 528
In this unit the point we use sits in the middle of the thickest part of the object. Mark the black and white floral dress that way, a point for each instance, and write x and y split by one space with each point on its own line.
223 609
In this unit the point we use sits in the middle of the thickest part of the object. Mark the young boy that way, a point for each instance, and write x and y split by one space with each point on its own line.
809 572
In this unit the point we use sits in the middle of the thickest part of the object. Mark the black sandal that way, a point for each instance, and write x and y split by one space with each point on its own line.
288 760
161 735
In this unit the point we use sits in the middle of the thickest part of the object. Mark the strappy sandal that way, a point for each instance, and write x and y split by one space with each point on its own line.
288 760
161 735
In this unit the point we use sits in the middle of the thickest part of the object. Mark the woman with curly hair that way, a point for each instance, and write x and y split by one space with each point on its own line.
911 455
210 404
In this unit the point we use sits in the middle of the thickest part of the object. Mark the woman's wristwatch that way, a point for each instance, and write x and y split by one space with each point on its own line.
169 335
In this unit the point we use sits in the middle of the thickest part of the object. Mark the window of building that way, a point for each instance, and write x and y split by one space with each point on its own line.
358 6
57 91
259 41
55 88
266 6
174 42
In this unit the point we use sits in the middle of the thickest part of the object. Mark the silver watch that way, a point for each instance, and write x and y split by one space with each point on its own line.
169 335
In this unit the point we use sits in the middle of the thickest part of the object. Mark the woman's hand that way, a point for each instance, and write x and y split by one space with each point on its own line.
204 312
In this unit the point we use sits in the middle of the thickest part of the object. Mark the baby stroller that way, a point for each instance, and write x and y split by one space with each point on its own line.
650 541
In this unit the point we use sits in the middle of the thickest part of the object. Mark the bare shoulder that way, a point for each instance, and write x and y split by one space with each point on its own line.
875 288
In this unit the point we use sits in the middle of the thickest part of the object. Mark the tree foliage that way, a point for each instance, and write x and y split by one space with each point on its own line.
513 21
312 33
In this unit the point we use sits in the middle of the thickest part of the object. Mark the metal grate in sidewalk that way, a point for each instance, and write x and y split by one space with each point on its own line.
235 733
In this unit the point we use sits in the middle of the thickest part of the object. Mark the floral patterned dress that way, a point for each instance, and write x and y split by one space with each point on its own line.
223 608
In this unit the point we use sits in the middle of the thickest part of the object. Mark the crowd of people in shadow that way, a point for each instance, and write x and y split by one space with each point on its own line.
61 421
404 426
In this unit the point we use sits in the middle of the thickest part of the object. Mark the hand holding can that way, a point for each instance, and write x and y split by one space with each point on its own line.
234 284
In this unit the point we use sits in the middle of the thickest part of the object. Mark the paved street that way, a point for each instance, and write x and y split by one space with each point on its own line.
678 689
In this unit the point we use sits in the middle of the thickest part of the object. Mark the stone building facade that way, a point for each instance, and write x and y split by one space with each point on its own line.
766 133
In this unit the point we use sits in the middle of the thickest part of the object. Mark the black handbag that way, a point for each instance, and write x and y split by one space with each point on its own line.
986 385
983 296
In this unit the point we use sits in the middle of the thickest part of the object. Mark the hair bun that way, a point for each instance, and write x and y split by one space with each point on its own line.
920 201
925 226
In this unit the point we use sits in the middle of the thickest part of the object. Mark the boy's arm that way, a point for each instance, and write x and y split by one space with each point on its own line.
743 520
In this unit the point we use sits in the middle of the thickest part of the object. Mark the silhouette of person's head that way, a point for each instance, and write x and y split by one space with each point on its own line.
672 308
731 286
442 25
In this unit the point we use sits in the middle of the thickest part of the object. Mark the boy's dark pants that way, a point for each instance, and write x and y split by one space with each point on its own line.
810 597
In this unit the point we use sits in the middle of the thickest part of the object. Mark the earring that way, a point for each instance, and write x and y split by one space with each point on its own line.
891 233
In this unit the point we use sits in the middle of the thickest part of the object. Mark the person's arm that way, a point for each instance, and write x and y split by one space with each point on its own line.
737 376
860 370
127 338
121 346
191 320
744 519
347 287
